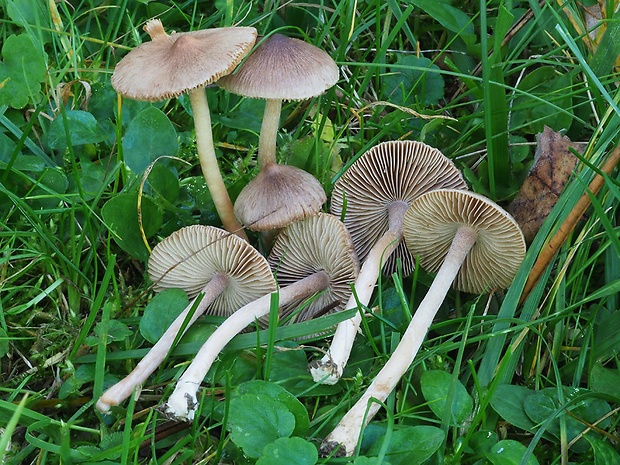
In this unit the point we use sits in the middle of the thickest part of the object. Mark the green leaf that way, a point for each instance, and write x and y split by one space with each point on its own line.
287 451
448 16
370 461
83 129
545 100
509 402
605 381
411 445
278 393
4 343
164 182
257 420
436 386
22 72
160 312
604 453
509 452
120 214
150 135
409 83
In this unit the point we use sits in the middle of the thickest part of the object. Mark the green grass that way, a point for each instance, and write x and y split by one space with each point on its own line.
72 292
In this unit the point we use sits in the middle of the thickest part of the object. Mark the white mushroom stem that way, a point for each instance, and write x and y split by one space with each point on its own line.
328 370
183 402
124 388
347 433
209 165
269 133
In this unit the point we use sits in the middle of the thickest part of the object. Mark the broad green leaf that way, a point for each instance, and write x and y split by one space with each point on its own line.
51 183
289 368
22 71
544 100
604 453
278 393
509 452
409 83
7 147
149 136
605 381
164 182
160 312
369 461
509 402
445 14
83 129
120 214
257 420
482 441
411 445
287 451
436 386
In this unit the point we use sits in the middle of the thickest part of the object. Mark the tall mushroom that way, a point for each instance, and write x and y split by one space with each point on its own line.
319 251
377 189
280 68
469 241
202 260
171 65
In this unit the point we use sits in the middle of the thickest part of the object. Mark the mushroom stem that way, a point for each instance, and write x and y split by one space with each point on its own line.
123 389
183 402
346 434
269 133
208 162
328 369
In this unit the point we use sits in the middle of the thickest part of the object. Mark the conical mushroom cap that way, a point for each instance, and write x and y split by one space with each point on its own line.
278 196
318 243
431 223
170 65
283 68
389 172
190 257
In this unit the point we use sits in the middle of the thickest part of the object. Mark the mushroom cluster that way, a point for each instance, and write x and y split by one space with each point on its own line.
398 200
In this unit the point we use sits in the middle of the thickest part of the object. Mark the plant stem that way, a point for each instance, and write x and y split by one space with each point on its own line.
348 431
183 402
208 163
123 389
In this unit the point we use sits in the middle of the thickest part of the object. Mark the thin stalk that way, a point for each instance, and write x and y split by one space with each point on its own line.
329 369
209 165
124 388
269 133
183 402
347 432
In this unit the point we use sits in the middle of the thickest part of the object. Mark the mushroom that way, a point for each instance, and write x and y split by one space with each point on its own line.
470 242
171 65
203 261
318 250
280 68
377 189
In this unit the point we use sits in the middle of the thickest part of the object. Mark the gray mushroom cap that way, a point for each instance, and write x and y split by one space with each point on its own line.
190 257
172 64
389 172
318 243
278 196
432 221
283 68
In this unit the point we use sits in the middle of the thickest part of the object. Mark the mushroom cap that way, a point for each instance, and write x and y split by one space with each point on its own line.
432 221
190 257
389 172
278 196
318 243
170 65
283 68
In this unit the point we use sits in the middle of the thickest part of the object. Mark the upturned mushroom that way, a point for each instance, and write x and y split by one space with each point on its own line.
470 242
377 189
318 250
226 271
171 65
280 68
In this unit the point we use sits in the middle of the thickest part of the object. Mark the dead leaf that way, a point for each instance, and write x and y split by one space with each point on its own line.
553 166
